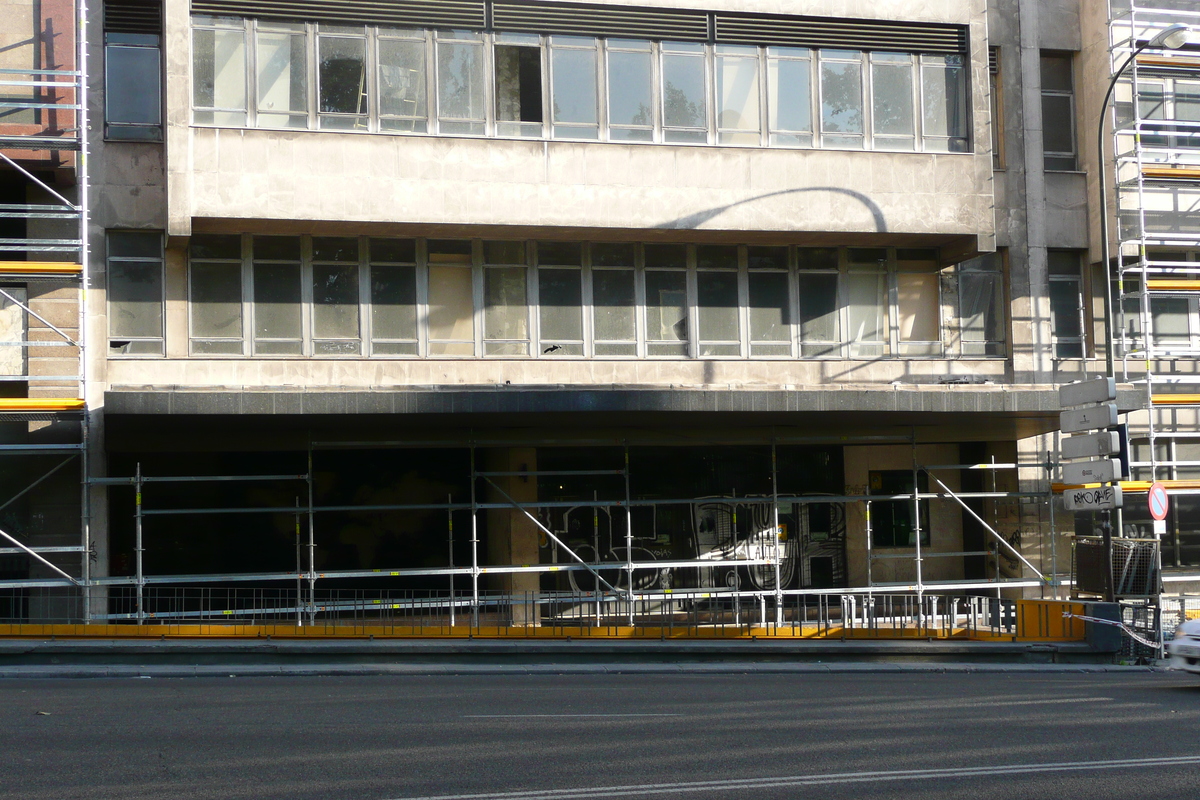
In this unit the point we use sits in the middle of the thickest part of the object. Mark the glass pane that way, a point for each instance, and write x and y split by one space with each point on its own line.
135 299
841 97
818 307
790 95
211 246
335 301
768 257
282 83
917 306
1058 133
716 256
216 300
219 69
666 255
1171 323
504 252
1056 73
564 253
629 89
717 305
945 101
892 98
737 95
769 315
613 304
276 301
276 248
342 75
613 255
506 305
684 103
460 81
560 301
394 302
574 87
401 250
402 78
666 306
134 244
866 308
1065 303
335 248
820 257
519 84
132 89
978 300
451 306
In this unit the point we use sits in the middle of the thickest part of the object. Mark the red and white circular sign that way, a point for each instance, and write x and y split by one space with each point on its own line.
1157 500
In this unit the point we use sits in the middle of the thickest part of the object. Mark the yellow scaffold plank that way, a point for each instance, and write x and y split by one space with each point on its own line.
40 268
1131 487
1172 173
1177 399
1168 61
1169 285
11 404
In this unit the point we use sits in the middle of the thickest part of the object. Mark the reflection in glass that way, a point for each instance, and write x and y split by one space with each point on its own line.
402 85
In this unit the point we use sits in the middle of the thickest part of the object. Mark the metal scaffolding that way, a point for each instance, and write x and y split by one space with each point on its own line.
55 93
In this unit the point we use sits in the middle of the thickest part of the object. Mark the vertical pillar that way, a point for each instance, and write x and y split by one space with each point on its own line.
512 539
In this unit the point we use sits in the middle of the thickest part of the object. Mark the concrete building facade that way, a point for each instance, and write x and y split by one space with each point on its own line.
520 299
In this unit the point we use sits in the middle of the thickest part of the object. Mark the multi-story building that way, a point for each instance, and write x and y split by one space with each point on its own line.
505 297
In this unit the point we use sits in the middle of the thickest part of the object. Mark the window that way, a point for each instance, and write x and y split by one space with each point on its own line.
789 96
980 309
893 95
614 299
574 92
342 77
215 295
841 98
820 322
769 301
666 300
219 71
630 90
518 85
718 319
1165 99
684 95
132 86
944 104
560 298
918 302
460 83
1066 303
1058 111
866 302
278 329
135 293
393 270
738 119
282 76
451 315
996 107
893 522
335 296
505 299
402 81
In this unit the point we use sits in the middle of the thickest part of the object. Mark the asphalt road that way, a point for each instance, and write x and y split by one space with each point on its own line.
535 737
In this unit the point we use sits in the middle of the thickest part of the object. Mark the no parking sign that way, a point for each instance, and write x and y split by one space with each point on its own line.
1158 502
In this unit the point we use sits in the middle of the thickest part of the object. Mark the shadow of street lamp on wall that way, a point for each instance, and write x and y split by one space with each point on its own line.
1172 37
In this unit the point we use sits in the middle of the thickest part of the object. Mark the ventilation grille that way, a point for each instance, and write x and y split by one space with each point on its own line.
994 60
133 16
583 20
467 14
848 34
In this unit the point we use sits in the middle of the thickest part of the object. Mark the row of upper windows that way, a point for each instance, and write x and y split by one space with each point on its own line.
261 73
356 297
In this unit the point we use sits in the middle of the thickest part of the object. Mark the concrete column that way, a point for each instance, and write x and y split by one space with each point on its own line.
512 538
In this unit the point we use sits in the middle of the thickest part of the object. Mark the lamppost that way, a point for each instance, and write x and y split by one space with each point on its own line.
1172 37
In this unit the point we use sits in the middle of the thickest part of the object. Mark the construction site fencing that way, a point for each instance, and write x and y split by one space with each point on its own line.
235 611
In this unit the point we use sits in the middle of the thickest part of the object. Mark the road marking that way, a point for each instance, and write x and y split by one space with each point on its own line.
819 780
1002 704
557 716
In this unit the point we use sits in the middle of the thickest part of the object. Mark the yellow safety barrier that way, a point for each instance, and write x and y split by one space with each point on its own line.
1165 285
41 404
1177 399
1130 487
40 268
1171 173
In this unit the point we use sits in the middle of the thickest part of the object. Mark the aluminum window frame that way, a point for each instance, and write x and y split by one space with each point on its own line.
160 260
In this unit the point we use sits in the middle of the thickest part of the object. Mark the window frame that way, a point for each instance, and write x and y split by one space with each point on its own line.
134 131
160 260
1073 110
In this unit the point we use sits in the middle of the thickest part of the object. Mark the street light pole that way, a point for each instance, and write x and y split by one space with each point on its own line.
1172 37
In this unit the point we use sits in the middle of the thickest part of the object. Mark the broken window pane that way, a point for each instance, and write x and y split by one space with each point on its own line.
402 85
518 90
335 307
461 95
342 82
560 309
